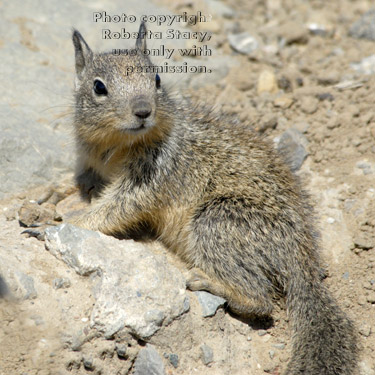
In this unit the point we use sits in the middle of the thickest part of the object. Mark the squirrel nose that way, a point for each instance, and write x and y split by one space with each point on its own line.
142 109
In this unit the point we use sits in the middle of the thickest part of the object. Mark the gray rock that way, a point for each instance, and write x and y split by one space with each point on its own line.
173 359
292 147
207 354
365 166
243 43
15 282
148 362
209 303
4 290
135 289
67 242
88 362
364 28
121 350
33 146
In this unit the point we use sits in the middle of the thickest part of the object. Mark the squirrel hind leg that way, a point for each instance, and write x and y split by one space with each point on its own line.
245 306
231 263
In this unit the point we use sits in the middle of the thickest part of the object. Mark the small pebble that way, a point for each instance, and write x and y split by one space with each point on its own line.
345 276
173 359
243 43
365 368
362 300
328 78
207 354
309 104
148 361
267 82
262 332
269 121
366 66
364 28
325 96
209 303
365 330
283 102
292 146
294 32
285 84
361 241
88 362
121 350
37 319
371 297
317 29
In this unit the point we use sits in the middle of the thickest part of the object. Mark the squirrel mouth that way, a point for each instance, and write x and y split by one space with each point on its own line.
136 129
140 127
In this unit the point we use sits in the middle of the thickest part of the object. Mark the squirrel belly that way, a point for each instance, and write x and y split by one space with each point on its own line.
213 191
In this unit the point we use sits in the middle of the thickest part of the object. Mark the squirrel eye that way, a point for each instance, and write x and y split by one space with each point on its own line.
99 87
157 80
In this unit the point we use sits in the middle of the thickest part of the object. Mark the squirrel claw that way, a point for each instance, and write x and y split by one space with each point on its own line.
34 233
37 232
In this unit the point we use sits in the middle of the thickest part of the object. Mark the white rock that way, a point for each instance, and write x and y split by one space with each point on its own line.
135 289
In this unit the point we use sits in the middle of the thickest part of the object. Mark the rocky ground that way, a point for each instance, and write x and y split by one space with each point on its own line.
302 73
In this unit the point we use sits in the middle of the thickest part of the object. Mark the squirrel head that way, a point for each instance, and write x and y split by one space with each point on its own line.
116 94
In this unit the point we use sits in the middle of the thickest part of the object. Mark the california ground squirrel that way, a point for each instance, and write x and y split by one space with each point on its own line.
213 191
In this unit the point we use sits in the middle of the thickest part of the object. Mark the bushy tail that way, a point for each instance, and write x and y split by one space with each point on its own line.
324 339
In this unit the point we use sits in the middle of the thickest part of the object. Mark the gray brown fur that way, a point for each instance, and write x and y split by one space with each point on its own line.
215 194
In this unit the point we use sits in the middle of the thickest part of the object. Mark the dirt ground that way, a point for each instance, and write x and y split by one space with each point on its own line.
296 78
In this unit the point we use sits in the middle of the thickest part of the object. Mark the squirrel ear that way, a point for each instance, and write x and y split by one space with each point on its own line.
141 40
82 51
